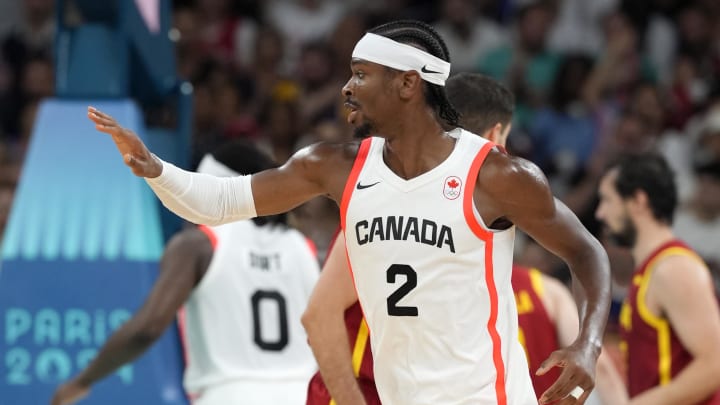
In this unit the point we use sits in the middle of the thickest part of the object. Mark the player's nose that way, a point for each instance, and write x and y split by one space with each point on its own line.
346 90
599 213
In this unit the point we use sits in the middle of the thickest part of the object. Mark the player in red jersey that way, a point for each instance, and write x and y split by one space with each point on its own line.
547 319
350 334
670 322
547 314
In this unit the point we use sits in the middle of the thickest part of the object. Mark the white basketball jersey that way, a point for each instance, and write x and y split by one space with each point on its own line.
242 321
434 282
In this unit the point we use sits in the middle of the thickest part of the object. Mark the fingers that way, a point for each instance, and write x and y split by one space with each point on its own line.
583 397
103 122
94 111
571 400
100 120
576 379
554 360
572 385
561 388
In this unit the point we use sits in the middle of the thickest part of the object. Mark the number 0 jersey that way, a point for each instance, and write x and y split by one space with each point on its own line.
434 282
242 321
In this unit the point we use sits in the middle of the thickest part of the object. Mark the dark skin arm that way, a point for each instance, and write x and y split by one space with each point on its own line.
515 190
182 266
320 169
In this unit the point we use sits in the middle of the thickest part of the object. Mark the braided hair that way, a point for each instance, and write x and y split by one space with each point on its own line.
425 37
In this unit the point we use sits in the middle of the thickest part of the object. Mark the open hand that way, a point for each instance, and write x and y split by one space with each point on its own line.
133 150
578 366
69 393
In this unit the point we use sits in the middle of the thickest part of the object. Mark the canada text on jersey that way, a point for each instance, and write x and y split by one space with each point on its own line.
393 227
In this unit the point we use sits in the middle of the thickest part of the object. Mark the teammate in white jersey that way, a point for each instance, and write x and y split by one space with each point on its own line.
423 283
244 286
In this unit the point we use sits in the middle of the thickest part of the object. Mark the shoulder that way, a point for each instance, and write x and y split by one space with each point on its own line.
190 242
681 273
505 175
328 150
500 165
322 155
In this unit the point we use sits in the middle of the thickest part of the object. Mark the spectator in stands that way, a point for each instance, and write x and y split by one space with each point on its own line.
526 65
227 37
280 126
303 21
564 134
468 35
698 221
318 82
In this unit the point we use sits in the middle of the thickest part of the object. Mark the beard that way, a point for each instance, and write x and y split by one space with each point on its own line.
363 131
625 237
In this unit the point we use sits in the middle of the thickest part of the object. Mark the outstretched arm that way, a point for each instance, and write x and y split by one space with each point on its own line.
325 325
182 266
516 190
320 169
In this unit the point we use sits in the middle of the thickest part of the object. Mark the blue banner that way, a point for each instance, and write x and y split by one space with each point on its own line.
79 256
55 315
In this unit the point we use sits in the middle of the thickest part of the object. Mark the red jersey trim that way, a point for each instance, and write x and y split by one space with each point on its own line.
488 238
470 182
210 234
352 178
313 248
347 194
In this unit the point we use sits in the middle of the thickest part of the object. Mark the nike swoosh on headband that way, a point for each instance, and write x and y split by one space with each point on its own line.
424 69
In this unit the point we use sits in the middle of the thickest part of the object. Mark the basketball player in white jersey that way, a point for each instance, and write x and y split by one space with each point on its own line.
429 223
244 286
487 108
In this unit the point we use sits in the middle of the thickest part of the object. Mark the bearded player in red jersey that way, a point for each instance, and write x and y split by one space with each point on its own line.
670 322
547 313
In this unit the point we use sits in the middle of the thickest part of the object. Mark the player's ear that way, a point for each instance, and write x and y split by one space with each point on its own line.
495 133
640 201
411 84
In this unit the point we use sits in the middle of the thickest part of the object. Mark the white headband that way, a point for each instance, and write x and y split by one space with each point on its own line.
384 51
209 165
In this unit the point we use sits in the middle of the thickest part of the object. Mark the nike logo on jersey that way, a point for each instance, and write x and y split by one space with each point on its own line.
413 229
424 69
362 186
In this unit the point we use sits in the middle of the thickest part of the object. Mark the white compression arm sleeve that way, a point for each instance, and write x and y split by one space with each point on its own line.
202 198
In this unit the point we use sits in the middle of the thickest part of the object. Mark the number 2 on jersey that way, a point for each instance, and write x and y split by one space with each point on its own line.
410 282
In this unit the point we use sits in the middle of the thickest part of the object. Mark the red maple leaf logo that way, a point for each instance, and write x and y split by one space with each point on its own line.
452 183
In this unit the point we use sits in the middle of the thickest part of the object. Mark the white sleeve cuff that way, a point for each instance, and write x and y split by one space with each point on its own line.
204 199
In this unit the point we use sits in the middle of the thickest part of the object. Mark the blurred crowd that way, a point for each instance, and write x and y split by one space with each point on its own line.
592 79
